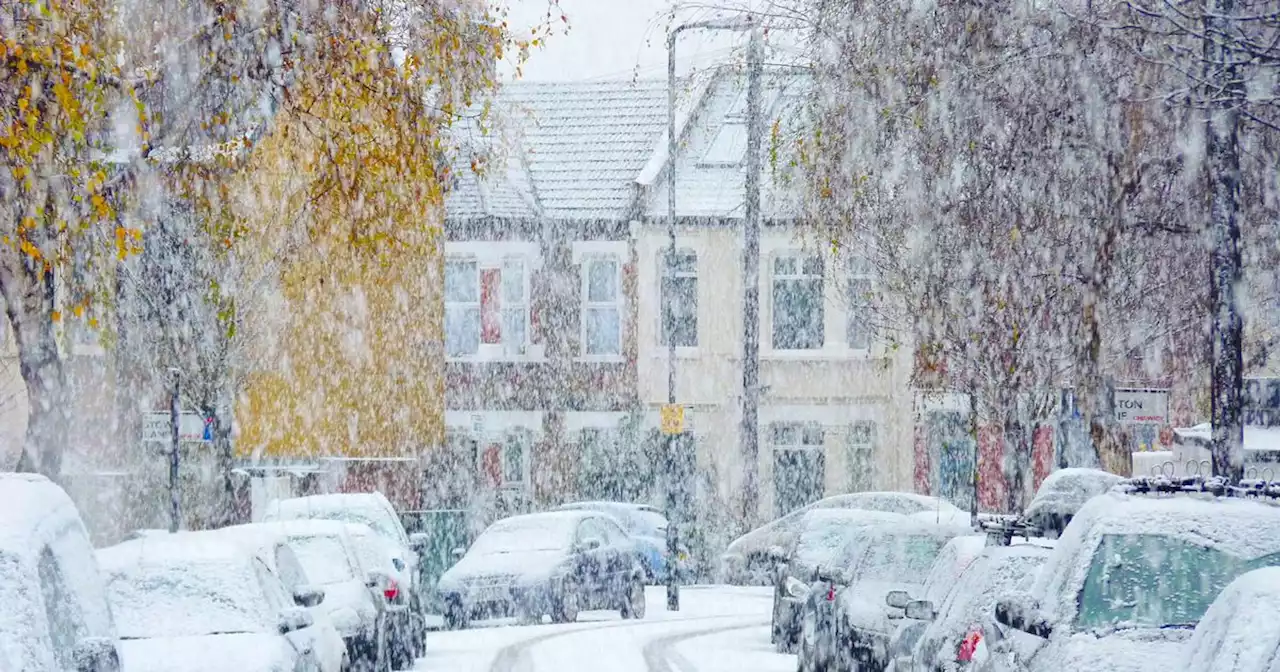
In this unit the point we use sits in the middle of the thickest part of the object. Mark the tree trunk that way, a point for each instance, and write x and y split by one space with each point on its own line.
1222 159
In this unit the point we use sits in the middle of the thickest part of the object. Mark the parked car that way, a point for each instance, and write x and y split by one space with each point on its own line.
647 527
194 602
845 622
1062 494
54 614
1130 578
746 561
355 599
268 544
393 606
372 509
961 627
555 563
1240 631
953 560
825 542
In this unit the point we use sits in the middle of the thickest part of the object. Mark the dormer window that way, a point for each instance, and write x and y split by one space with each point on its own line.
729 145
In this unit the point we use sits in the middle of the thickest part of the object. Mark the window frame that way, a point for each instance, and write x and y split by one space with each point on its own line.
505 348
584 277
854 481
797 275
665 272
857 302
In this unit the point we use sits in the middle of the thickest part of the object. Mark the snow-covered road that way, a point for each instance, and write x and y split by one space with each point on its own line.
718 629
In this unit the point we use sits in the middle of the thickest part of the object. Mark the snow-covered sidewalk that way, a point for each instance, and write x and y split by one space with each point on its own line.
717 628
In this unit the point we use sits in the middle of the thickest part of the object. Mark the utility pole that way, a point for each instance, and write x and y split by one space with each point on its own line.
175 417
750 430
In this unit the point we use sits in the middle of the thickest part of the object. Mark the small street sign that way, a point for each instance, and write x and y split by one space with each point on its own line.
672 419
157 427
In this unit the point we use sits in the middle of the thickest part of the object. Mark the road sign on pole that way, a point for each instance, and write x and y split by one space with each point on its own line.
672 419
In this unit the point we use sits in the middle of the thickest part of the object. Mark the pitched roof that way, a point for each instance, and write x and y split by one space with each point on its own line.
583 145
501 188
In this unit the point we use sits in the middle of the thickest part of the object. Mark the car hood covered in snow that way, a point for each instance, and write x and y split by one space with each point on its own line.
240 652
514 567
1138 650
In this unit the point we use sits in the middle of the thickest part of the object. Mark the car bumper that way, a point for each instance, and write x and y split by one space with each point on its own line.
502 602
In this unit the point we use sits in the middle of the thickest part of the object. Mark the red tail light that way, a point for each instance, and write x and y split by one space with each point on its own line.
968 647
391 591
831 592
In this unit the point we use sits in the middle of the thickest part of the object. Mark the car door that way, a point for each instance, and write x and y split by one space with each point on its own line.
590 560
620 554
303 640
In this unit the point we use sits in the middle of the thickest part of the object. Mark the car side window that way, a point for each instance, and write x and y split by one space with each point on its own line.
589 529
291 572
64 613
613 535
277 597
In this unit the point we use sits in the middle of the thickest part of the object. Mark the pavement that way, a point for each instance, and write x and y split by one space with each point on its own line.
718 629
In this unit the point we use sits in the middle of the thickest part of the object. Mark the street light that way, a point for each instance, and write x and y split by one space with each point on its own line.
737 23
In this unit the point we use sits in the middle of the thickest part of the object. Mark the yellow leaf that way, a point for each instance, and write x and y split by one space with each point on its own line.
57 316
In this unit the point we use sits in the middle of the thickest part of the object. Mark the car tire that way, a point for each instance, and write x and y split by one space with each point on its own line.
565 605
455 615
633 601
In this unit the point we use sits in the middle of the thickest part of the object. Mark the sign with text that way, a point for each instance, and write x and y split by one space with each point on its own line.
157 427
1142 406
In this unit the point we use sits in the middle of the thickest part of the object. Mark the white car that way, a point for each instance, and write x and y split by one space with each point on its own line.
353 594
273 548
1130 578
193 602
747 561
54 614
1240 631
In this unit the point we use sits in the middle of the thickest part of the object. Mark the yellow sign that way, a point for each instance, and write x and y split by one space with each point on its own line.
672 419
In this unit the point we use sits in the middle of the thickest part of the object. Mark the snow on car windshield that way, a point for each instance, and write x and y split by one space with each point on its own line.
648 523
323 558
371 554
526 533
1148 580
823 541
374 518
185 600
901 558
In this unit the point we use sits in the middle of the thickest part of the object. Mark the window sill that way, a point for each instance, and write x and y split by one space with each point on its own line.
600 359
817 355
497 359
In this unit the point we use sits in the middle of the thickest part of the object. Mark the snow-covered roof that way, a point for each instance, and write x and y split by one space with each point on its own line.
1255 437
498 184
706 189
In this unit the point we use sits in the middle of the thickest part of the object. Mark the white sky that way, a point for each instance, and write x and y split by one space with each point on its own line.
610 39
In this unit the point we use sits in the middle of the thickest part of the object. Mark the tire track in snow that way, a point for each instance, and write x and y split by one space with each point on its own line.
660 655
515 657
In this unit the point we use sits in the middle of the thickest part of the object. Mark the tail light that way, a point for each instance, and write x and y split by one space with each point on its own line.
969 647
831 592
391 591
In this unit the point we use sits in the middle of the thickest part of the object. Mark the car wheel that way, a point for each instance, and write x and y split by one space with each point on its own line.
633 604
566 603
455 615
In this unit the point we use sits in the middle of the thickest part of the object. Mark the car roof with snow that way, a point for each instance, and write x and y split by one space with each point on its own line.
301 527
1240 630
567 517
779 531
179 548
1246 528
27 501
1066 490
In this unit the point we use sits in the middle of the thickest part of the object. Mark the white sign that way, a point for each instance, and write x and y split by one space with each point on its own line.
157 427
1142 407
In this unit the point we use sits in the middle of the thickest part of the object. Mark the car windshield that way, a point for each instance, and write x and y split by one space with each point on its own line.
900 558
190 599
648 523
376 520
824 543
1147 580
323 559
516 535
370 553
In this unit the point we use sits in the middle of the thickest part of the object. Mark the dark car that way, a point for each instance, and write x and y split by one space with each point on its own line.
825 542
556 563
646 526
1062 494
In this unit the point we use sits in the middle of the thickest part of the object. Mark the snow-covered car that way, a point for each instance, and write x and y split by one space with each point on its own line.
646 525
555 563
747 560
394 606
953 560
1062 494
1240 631
846 622
372 509
961 626
353 594
54 614
196 602
269 543
825 542
1129 579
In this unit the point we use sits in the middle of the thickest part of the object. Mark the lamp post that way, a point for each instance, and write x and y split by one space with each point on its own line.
739 23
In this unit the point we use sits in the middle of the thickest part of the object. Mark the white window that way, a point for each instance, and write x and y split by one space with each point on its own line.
486 307
858 294
679 299
601 306
797 302
504 461
859 455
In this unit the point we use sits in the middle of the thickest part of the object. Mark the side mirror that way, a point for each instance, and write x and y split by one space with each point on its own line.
294 618
96 654
419 541
920 610
898 599
1023 613
308 596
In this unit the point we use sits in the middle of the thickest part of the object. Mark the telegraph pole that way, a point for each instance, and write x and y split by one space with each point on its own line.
750 429
175 418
